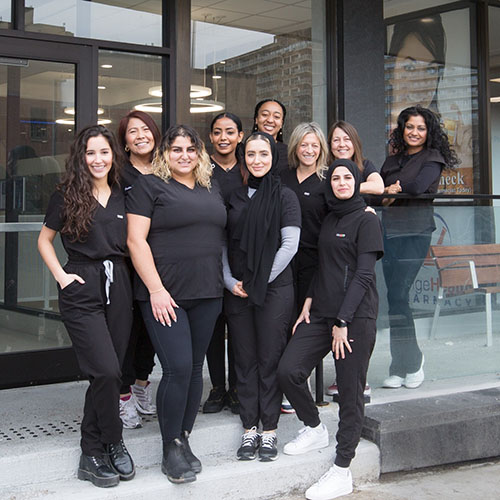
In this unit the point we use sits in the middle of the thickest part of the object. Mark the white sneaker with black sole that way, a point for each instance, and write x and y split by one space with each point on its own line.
308 439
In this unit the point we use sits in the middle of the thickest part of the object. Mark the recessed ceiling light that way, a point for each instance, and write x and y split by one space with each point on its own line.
101 87
106 66
495 99
496 80
216 77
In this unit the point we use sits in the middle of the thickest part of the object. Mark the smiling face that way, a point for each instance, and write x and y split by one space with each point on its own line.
415 134
225 136
270 118
308 150
343 183
99 157
182 158
139 138
258 157
341 145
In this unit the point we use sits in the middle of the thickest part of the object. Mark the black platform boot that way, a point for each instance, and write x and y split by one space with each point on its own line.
174 464
97 471
120 460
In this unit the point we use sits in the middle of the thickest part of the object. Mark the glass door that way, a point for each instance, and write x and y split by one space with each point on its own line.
39 109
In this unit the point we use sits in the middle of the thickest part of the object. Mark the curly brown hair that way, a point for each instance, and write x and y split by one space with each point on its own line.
77 183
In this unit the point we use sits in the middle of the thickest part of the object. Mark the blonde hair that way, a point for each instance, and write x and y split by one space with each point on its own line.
161 161
298 134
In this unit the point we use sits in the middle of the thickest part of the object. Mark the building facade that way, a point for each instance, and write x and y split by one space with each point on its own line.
66 64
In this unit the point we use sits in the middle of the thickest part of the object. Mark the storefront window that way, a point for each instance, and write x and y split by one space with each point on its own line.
128 81
5 18
243 53
428 62
494 62
102 19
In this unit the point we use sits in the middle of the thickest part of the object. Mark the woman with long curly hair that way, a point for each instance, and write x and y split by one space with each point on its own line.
421 152
95 296
176 221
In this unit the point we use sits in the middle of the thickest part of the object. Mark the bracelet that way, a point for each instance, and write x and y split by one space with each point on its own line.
340 323
156 291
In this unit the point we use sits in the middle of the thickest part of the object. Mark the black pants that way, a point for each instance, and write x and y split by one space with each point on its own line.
100 334
306 349
181 349
259 339
216 355
139 359
305 265
403 258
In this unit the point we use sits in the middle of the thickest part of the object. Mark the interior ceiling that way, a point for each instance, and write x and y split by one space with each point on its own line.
277 17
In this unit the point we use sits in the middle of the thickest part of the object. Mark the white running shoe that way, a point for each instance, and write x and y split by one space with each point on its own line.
393 382
336 482
128 414
143 398
414 380
308 439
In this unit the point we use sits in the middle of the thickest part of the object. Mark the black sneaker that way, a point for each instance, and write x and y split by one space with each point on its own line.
191 458
174 464
120 460
215 401
97 471
232 401
249 445
268 450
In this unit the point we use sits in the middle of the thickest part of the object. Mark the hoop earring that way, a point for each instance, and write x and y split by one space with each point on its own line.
127 149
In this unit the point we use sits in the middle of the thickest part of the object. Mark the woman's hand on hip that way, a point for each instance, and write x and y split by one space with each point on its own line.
340 342
162 305
305 315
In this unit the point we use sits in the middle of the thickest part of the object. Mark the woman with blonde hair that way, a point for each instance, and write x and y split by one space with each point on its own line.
176 221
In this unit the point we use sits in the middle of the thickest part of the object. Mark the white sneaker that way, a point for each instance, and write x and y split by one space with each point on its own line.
334 483
308 439
414 380
143 398
393 382
128 414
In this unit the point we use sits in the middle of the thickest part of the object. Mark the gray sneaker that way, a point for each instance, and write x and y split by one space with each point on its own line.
128 414
143 399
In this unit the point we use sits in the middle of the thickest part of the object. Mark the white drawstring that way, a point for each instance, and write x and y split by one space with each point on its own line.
108 270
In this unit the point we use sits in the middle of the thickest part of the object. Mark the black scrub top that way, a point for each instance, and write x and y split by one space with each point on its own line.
283 156
107 236
310 193
128 175
340 243
186 236
290 216
228 180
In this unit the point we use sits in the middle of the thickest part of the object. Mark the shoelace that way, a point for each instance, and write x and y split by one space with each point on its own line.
249 438
268 440
97 461
116 449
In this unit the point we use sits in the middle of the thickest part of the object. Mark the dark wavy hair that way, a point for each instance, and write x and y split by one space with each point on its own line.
144 117
259 105
77 183
436 136
240 150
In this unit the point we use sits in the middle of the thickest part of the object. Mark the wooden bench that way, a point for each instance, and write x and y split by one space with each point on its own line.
467 269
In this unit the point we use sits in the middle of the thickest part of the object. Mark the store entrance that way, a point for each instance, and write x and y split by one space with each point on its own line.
40 109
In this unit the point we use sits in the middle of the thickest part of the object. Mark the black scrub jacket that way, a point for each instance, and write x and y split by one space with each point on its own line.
107 237
186 236
340 243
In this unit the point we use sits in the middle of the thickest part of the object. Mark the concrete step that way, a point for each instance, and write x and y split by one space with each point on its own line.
45 466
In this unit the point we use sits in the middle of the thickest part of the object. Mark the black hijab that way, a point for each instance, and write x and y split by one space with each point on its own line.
355 202
258 228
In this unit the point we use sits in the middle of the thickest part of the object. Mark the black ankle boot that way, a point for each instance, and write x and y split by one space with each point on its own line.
120 460
192 460
215 401
174 464
97 471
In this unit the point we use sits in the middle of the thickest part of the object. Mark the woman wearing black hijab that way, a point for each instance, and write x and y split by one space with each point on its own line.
263 236
342 305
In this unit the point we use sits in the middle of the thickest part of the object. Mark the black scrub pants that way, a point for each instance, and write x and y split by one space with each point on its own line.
259 339
402 260
181 349
99 333
310 344
305 265
216 355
